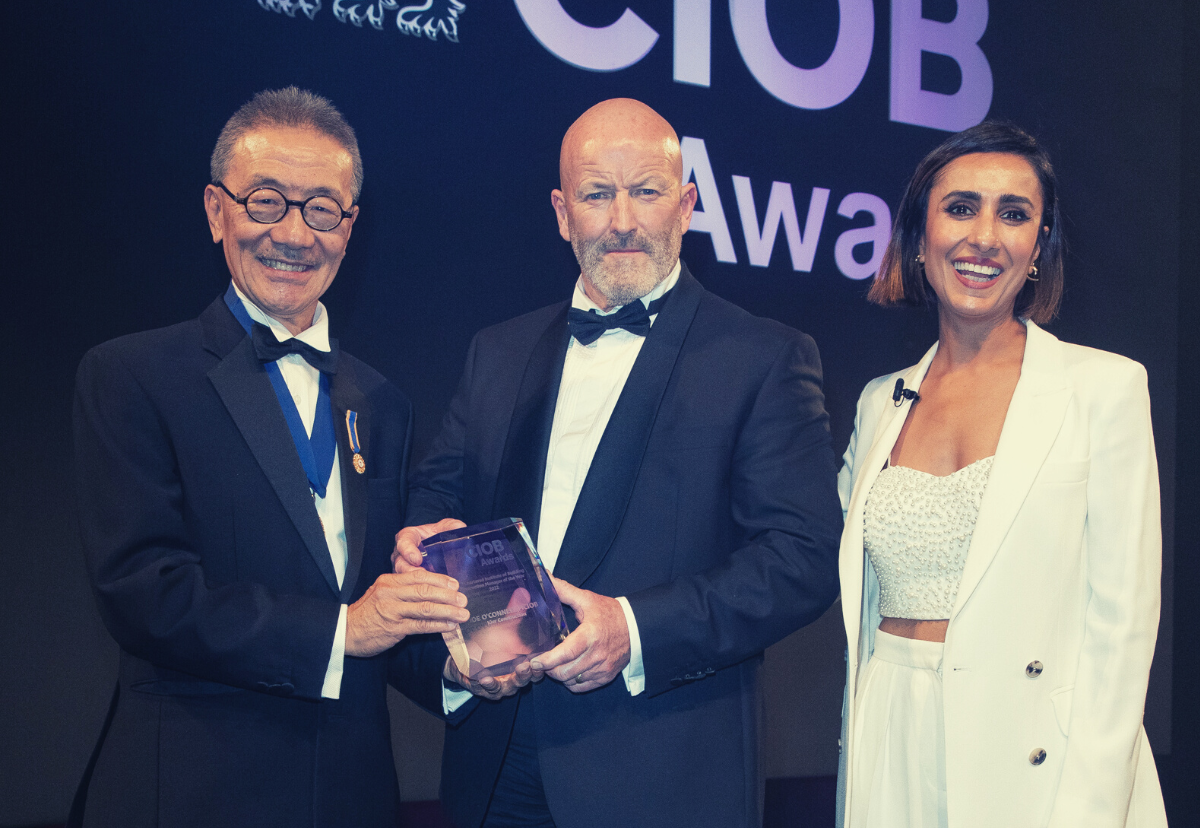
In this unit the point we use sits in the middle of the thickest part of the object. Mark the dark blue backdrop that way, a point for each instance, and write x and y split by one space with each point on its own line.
113 110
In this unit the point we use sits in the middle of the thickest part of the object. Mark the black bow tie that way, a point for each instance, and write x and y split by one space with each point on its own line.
269 349
587 326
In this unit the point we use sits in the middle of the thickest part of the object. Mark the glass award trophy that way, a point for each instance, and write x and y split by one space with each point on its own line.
515 612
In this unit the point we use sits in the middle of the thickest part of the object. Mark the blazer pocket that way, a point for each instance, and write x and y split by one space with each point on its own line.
1061 699
1072 471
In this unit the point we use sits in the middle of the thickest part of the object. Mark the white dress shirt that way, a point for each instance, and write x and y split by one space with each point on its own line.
303 381
592 380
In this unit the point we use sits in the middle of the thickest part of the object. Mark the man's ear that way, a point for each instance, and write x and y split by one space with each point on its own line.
213 206
559 202
687 203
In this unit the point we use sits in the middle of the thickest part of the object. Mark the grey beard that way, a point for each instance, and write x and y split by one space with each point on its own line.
623 283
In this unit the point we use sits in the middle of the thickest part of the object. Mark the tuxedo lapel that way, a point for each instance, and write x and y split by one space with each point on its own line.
345 396
244 388
1031 425
522 470
601 506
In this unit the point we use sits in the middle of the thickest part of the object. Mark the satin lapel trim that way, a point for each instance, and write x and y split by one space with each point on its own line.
609 484
221 331
246 391
853 555
344 395
1031 426
522 472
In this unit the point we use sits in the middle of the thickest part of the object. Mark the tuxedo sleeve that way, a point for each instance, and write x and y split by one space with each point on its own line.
144 564
783 500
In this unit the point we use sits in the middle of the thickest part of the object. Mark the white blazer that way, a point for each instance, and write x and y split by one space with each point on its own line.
1063 569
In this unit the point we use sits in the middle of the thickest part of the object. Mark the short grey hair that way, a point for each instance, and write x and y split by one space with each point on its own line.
290 107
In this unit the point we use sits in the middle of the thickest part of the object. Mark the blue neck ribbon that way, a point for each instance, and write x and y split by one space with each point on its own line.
316 452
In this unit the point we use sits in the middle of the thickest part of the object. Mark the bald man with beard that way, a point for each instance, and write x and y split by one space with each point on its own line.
670 455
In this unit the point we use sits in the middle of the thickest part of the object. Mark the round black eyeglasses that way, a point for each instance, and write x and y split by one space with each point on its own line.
266 205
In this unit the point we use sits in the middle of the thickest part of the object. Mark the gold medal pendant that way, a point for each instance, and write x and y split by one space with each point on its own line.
360 465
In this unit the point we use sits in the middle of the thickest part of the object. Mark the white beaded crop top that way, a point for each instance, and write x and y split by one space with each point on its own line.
917 528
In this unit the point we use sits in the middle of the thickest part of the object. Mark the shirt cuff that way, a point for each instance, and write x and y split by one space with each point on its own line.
332 688
453 698
634 672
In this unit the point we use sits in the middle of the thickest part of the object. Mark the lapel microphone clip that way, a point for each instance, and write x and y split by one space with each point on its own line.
901 394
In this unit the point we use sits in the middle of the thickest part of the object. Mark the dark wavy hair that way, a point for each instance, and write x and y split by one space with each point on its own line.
901 280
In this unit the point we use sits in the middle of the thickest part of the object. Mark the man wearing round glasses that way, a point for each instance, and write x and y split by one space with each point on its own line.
283 259
240 480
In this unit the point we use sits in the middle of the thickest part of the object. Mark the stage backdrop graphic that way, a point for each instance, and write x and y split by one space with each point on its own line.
800 123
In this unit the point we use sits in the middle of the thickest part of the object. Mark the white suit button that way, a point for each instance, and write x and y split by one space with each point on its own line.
1037 756
1033 669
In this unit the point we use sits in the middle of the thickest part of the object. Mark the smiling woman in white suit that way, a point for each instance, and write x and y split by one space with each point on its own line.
1001 557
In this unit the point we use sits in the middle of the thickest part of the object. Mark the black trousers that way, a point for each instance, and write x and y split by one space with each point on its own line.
519 801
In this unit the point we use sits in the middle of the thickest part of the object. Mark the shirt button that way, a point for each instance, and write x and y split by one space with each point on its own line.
1033 669
1037 756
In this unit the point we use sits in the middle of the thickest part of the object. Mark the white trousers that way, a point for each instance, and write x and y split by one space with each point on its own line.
899 743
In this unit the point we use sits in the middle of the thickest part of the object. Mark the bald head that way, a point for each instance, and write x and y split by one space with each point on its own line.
623 205
616 122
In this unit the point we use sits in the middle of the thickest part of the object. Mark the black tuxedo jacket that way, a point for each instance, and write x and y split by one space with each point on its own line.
711 505
212 573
